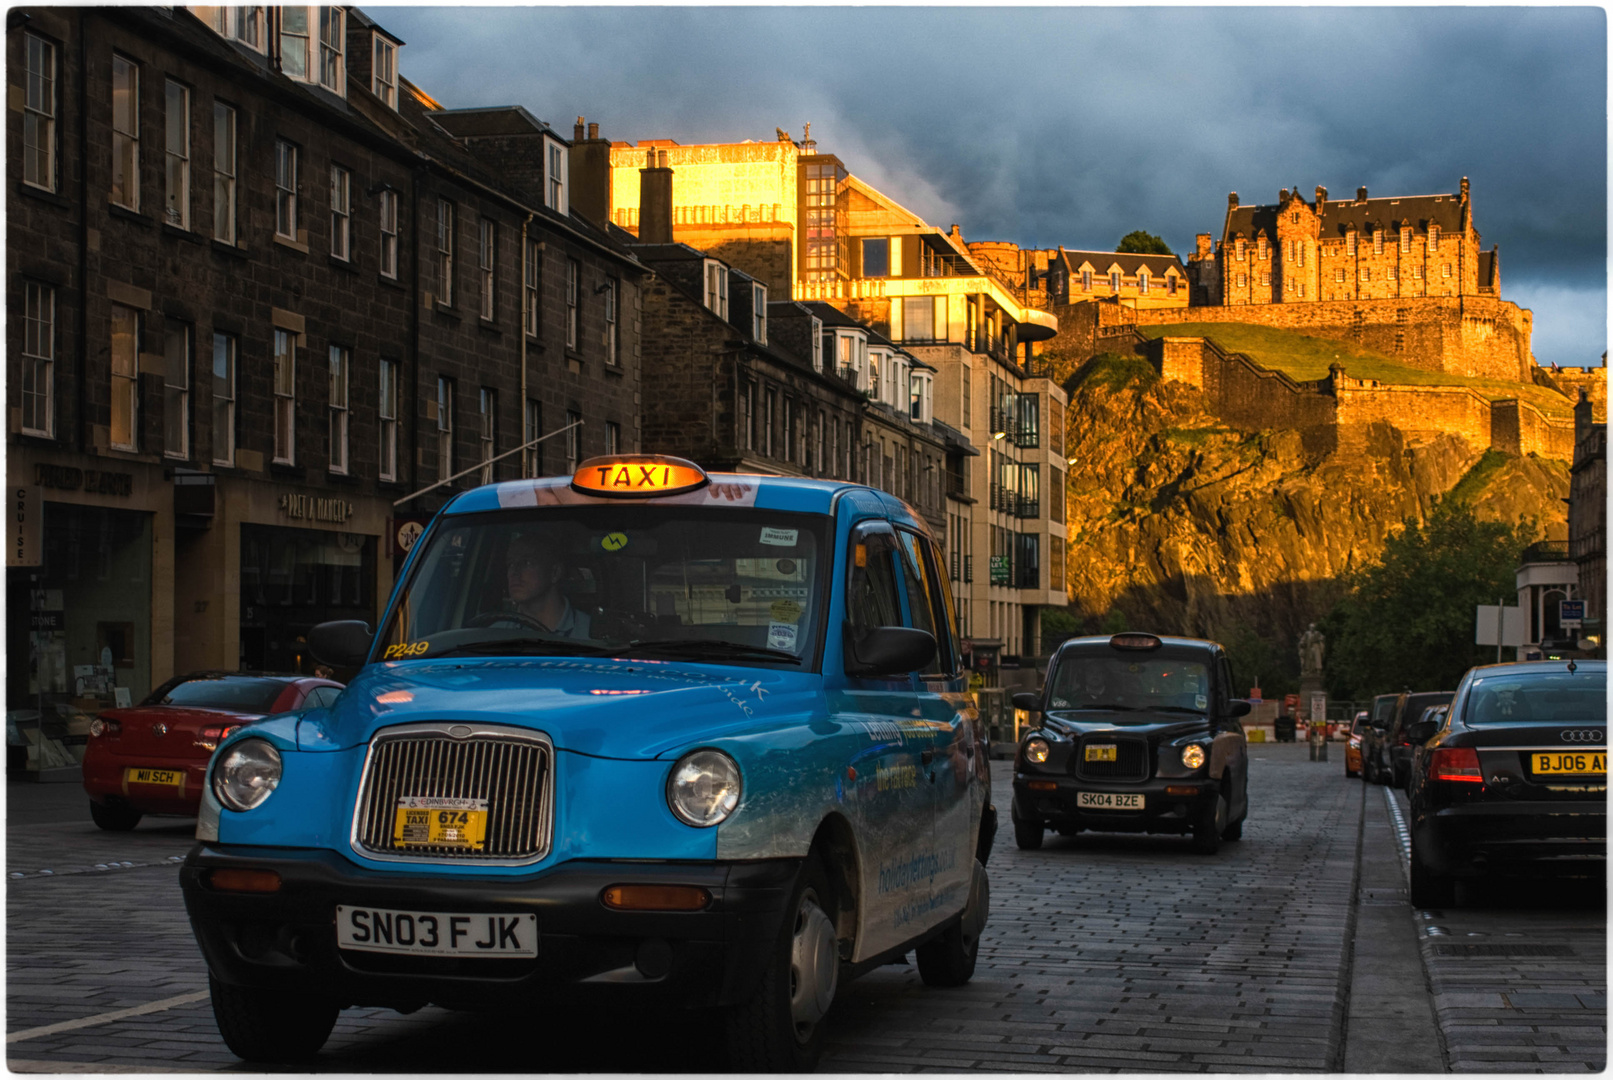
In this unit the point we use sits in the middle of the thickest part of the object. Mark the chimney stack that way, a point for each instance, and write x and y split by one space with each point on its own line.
655 200
1360 194
576 132
1321 196
590 174
1201 244
1464 189
1282 196
1232 200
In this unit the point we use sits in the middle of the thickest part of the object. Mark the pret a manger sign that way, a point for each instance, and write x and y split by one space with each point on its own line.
637 476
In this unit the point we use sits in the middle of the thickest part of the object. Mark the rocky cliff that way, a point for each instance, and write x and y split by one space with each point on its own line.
1180 523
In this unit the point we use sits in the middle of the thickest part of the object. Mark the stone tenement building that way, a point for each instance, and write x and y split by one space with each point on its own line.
260 288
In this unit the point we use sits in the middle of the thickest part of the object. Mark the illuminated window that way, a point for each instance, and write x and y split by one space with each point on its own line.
125 132
39 113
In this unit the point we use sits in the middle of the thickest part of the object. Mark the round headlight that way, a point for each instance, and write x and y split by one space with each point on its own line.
704 788
1037 750
1193 756
247 774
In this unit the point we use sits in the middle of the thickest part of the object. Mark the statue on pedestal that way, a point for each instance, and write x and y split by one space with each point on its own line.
1311 645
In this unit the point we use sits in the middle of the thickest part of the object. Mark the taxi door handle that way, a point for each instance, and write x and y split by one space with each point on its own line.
927 756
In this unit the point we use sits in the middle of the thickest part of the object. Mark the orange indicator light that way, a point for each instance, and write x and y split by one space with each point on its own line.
656 897
637 476
259 881
1042 785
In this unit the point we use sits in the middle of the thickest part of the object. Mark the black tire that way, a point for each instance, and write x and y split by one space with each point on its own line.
1207 830
1027 834
1429 887
114 818
949 959
1233 831
779 1028
276 1027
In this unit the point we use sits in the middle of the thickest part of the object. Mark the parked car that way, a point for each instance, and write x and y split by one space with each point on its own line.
1513 780
1138 733
1373 735
1394 749
637 733
1352 744
1436 714
152 758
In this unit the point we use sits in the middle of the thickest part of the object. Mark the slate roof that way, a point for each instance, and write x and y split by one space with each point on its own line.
1128 262
503 120
1338 216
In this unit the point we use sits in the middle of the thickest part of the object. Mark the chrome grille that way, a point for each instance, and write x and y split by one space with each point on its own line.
1131 759
510 768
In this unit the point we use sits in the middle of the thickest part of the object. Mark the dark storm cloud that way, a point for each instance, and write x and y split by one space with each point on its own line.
1074 126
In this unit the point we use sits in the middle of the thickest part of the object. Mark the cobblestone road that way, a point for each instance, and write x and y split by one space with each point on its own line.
1104 953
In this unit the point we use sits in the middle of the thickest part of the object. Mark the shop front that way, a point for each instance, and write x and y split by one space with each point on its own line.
293 579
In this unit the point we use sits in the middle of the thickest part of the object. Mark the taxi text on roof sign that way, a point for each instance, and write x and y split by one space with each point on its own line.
637 475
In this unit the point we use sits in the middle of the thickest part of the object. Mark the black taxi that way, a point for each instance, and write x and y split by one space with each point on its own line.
1138 733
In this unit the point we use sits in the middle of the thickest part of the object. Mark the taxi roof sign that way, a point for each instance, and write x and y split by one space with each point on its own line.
637 476
1135 641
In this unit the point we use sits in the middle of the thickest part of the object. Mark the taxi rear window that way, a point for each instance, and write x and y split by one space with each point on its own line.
1547 697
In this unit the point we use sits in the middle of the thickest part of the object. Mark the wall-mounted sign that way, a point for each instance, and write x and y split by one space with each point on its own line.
312 508
94 481
406 529
25 526
999 569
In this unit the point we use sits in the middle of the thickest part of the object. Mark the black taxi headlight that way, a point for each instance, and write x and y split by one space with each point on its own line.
247 774
1193 756
704 788
1037 751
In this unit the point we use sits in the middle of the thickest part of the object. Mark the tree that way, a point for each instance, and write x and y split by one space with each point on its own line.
1138 242
1408 621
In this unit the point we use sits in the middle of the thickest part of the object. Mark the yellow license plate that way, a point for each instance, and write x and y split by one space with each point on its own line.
1569 764
1102 753
168 777
452 823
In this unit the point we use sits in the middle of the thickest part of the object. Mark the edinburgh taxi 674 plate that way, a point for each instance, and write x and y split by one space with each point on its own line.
1572 763
1103 800
436 933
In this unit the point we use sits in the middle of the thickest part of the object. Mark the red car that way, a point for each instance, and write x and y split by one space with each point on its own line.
151 759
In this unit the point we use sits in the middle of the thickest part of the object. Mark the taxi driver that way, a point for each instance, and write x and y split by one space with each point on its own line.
533 574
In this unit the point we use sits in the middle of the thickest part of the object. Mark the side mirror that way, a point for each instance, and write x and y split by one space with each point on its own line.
1028 701
1239 707
1422 731
342 642
888 650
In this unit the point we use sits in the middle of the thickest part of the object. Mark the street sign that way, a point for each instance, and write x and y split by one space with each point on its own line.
25 544
1493 625
1319 707
1571 613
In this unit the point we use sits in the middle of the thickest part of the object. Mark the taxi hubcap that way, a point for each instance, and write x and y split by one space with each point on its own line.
814 966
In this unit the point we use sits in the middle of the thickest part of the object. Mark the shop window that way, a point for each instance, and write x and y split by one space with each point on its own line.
39 113
285 397
387 414
224 191
176 391
125 428
125 132
341 362
38 375
224 346
295 578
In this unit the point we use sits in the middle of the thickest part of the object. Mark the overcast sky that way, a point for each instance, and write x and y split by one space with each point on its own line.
1073 126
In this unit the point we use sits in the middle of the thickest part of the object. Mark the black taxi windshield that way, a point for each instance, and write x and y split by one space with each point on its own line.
1127 684
658 582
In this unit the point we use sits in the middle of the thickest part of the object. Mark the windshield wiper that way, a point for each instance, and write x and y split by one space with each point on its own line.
525 645
1176 708
1101 708
706 647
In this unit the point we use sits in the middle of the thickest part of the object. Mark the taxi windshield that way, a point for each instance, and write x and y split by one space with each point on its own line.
1554 697
1130 684
662 582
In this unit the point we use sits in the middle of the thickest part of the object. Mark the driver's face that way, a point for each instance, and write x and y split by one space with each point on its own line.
528 574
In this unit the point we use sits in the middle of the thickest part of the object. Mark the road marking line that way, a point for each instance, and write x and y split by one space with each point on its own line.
98 1067
1402 834
107 1018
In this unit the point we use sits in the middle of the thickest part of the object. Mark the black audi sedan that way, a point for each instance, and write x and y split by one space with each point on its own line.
1138 733
1513 778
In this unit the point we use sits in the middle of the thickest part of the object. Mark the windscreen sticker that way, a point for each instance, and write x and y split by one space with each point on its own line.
781 636
1201 702
785 611
780 537
615 541
406 648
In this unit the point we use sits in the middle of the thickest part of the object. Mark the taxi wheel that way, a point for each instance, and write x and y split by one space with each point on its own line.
270 1026
949 959
114 818
1208 829
1430 888
779 1028
1027 834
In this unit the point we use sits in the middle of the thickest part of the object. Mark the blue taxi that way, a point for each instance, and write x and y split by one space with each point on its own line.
645 731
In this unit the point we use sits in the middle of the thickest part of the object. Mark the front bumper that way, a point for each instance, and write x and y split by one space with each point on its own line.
1167 808
287 940
1569 838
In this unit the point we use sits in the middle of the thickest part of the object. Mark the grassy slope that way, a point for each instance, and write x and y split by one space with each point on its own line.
1302 358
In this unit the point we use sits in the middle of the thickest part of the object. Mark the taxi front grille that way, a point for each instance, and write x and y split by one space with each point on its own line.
512 770
1131 760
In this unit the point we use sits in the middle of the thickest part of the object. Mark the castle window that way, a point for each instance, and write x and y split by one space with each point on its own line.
1433 238
1142 281
1302 288
1086 281
1366 273
1302 248
1377 241
1262 252
1417 272
1265 278
1405 240
1242 280
1170 284
1114 281
1394 274
1445 271
1240 249
1349 242
1338 275
1294 217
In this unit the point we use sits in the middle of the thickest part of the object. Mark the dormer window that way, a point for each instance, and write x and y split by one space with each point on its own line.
384 71
554 194
243 24
717 288
294 43
1349 242
1114 281
1433 238
920 402
1405 239
1262 251
758 307
1377 241
312 46
1086 281
1142 281
332 50
878 363
1238 246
